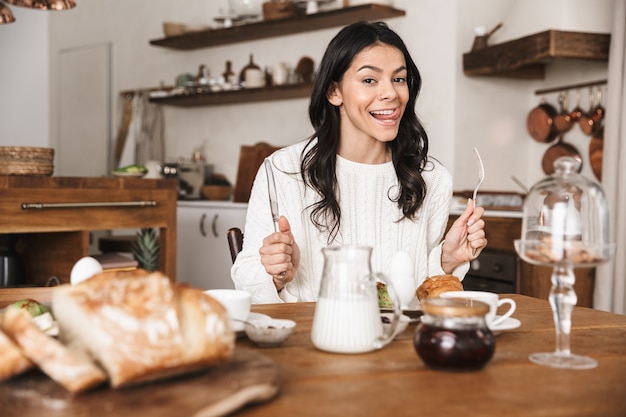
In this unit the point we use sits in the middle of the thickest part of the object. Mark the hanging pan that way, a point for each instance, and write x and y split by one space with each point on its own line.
591 121
596 146
563 120
540 123
577 112
556 151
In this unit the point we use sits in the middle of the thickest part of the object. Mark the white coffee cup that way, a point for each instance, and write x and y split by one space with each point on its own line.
236 302
154 170
491 298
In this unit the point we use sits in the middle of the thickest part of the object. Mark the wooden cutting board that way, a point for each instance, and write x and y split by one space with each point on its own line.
250 377
250 159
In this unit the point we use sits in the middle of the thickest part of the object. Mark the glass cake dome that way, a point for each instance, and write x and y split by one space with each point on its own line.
565 225
565 219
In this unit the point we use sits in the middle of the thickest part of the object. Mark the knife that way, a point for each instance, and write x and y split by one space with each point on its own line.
271 189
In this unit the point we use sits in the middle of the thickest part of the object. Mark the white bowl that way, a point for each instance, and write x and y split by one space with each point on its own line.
269 333
236 302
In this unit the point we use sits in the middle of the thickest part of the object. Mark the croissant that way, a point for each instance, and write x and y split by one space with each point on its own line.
433 286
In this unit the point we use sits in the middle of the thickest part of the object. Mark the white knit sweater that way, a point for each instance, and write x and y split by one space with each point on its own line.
368 217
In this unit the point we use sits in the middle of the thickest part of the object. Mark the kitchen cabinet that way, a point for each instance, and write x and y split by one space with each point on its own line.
262 30
203 255
526 57
529 279
53 218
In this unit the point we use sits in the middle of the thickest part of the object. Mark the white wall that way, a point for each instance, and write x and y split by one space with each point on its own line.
491 112
24 78
459 112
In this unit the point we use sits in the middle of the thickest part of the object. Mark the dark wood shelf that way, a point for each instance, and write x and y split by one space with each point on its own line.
236 96
278 27
526 58
262 30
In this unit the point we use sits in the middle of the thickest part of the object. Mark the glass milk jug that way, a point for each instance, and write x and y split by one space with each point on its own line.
347 317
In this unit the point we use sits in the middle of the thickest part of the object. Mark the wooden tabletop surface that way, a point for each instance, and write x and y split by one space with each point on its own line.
394 382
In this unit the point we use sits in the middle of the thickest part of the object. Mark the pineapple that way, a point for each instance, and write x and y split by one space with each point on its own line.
146 249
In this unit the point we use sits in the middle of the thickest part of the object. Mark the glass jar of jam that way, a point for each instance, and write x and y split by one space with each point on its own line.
453 334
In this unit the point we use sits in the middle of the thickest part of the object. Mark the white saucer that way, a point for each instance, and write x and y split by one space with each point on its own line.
239 326
403 322
508 324
128 174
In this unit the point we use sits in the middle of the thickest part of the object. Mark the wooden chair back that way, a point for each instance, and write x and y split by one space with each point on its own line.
235 241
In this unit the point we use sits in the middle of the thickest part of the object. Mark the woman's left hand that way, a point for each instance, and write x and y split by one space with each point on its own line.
466 238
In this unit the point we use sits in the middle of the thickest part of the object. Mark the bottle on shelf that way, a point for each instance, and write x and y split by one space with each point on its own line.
252 75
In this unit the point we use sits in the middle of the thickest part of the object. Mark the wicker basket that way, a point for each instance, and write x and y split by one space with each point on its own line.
273 10
217 192
25 160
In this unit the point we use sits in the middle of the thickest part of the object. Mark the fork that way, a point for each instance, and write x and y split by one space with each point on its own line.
481 178
481 174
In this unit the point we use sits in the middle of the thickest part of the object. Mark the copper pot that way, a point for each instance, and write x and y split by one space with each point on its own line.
556 151
596 146
590 121
563 121
540 123
577 112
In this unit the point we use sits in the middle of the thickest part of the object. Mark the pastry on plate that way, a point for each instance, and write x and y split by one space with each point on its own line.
433 286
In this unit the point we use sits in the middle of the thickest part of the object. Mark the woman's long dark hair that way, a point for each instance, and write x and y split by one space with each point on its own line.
409 150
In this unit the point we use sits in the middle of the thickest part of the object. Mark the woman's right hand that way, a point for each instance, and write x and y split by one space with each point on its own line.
280 255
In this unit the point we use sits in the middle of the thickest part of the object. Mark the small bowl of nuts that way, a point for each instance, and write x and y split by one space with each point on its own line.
269 332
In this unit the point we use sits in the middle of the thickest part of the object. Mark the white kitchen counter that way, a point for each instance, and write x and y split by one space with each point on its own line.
458 205
456 208
211 204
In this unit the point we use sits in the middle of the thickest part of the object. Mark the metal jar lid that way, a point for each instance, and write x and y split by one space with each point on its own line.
454 307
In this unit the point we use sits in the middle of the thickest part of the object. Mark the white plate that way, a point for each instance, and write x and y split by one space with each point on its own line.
508 324
128 174
239 326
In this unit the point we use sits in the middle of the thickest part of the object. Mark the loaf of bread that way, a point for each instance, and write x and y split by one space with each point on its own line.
433 286
139 326
70 368
12 359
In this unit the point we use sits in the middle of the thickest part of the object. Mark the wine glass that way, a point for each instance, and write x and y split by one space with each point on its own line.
564 226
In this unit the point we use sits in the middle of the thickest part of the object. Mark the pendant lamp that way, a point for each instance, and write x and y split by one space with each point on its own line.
44 4
5 15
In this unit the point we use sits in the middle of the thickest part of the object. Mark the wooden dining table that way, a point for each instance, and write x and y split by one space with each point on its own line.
393 381
296 379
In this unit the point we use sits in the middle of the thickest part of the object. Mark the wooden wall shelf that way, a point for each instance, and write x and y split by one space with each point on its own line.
236 96
525 58
278 27
262 30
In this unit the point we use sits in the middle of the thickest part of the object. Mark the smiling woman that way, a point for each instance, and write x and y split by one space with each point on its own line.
363 178
371 98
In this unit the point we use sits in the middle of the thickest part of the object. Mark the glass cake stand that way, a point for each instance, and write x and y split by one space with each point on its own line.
565 226
562 300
